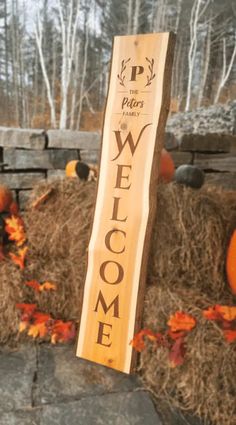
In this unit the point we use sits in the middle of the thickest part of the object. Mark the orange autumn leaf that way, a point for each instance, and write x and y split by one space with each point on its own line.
181 321
138 341
177 353
41 199
228 313
220 312
47 286
34 284
230 335
15 229
39 317
38 330
211 314
62 331
27 311
23 326
19 259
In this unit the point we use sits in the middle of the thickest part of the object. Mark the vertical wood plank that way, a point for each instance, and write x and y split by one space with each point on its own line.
133 134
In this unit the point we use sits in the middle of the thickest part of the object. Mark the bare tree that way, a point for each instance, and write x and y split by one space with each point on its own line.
68 31
198 10
39 36
226 70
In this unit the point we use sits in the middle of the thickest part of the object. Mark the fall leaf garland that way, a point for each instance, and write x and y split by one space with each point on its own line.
41 325
37 324
173 339
179 325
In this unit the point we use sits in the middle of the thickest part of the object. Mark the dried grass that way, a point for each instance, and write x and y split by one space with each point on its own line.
186 272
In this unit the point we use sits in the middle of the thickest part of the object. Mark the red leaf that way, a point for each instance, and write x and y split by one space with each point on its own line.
62 331
39 317
220 312
27 311
33 284
177 352
230 335
19 260
138 340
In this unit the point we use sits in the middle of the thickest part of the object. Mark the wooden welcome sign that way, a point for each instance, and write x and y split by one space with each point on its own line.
136 113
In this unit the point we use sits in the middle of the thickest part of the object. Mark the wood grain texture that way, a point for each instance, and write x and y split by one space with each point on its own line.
133 136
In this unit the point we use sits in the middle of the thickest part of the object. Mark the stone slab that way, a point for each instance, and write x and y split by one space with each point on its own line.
62 376
131 408
90 156
16 377
181 158
55 174
218 162
24 196
170 141
22 138
21 180
21 418
224 180
69 139
19 159
210 142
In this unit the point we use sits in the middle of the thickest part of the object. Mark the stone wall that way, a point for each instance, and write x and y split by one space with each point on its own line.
29 156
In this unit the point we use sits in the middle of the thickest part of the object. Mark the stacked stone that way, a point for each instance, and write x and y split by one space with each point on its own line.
28 156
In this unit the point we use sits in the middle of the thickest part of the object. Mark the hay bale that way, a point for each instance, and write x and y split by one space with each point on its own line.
190 238
205 383
186 272
58 235
10 293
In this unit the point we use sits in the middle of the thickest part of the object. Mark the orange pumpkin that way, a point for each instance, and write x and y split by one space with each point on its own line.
231 263
5 198
71 168
167 167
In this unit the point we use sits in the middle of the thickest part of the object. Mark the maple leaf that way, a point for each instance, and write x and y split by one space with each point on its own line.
39 317
228 313
27 310
23 326
177 352
41 199
33 284
220 313
62 331
38 330
181 321
47 286
19 259
212 314
230 335
15 229
138 341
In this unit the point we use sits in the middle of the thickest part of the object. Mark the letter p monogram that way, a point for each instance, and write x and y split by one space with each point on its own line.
136 70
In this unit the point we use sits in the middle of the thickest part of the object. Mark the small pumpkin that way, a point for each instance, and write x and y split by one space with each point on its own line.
167 167
190 175
71 168
82 170
231 263
5 198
